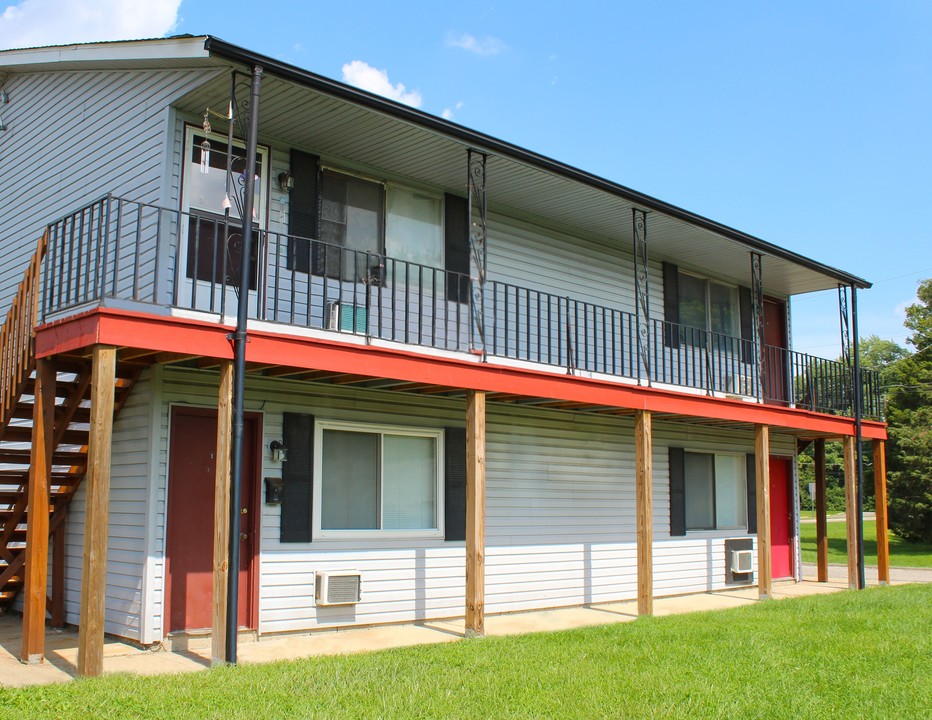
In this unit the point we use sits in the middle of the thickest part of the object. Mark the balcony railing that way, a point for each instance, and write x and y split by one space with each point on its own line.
125 250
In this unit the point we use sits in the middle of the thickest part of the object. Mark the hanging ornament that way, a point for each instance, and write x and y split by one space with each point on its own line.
205 146
205 157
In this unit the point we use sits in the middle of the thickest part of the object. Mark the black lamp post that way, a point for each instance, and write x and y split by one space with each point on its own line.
239 369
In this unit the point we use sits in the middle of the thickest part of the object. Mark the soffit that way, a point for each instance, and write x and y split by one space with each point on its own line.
340 130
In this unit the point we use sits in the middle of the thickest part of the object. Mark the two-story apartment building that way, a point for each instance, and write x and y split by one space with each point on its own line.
476 379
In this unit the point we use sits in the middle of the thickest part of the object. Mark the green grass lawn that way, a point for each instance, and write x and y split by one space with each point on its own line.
849 654
902 553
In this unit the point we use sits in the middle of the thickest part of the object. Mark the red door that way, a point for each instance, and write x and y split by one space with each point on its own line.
775 345
781 519
189 541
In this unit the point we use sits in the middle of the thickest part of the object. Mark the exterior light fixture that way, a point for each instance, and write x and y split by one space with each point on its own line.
279 451
285 181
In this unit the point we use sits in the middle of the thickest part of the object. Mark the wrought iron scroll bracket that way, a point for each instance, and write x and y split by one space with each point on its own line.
843 325
757 309
478 235
642 291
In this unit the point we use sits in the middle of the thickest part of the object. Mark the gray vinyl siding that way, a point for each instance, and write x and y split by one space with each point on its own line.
75 136
128 522
560 517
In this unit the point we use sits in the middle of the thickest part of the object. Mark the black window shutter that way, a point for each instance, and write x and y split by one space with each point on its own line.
752 493
454 458
677 491
298 477
746 311
456 246
671 305
303 209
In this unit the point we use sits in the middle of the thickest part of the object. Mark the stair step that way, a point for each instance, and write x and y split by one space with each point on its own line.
23 411
60 457
23 433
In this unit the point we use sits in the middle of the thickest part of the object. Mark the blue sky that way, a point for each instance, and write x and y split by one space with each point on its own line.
806 124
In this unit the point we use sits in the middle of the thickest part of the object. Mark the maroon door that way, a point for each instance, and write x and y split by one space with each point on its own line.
775 345
189 541
781 519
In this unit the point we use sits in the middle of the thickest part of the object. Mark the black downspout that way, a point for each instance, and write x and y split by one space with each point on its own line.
857 436
239 368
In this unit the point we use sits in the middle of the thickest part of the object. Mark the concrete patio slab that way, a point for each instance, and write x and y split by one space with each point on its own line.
119 656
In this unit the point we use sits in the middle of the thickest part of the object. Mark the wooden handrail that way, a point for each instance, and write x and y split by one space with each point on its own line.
17 346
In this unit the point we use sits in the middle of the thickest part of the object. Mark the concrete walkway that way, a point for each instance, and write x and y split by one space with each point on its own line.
898 575
61 645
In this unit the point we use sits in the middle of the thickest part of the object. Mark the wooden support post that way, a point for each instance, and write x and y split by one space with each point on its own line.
37 509
762 456
851 511
96 514
58 573
644 511
475 513
880 498
218 645
820 511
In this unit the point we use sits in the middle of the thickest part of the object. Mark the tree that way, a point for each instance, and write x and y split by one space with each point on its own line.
877 354
909 418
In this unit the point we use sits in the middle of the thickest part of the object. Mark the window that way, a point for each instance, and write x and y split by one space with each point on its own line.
351 218
214 250
377 479
414 234
716 491
362 221
707 305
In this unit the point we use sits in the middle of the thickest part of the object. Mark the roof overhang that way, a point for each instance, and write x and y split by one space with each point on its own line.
182 50
539 187
344 123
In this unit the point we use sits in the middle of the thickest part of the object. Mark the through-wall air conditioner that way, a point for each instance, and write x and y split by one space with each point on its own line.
338 587
739 385
346 317
741 561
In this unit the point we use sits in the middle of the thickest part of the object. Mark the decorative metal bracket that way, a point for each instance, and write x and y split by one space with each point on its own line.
843 325
478 235
757 309
642 305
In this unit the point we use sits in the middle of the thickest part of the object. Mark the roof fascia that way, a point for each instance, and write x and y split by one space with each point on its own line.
237 54
130 51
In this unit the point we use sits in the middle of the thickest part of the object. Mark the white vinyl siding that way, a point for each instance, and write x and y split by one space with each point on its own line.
100 132
560 517
128 522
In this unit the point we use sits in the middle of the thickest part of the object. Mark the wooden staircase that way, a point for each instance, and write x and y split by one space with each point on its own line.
70 437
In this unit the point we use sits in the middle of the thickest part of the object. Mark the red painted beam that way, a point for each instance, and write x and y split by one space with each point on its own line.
180 335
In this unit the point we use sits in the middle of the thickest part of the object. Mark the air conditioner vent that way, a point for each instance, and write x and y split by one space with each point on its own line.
346 317
339 587
741 561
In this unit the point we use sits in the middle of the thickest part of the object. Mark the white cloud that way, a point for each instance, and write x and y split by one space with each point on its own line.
486 46
34 23
366 77
447 113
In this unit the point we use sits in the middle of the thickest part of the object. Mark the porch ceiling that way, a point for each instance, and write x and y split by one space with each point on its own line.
398 142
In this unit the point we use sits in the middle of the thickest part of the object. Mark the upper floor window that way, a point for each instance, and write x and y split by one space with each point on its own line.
363 221
707 305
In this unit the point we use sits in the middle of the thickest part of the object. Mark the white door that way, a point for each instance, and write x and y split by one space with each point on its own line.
210 247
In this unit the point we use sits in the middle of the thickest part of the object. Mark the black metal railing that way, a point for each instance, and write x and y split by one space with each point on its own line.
118 250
